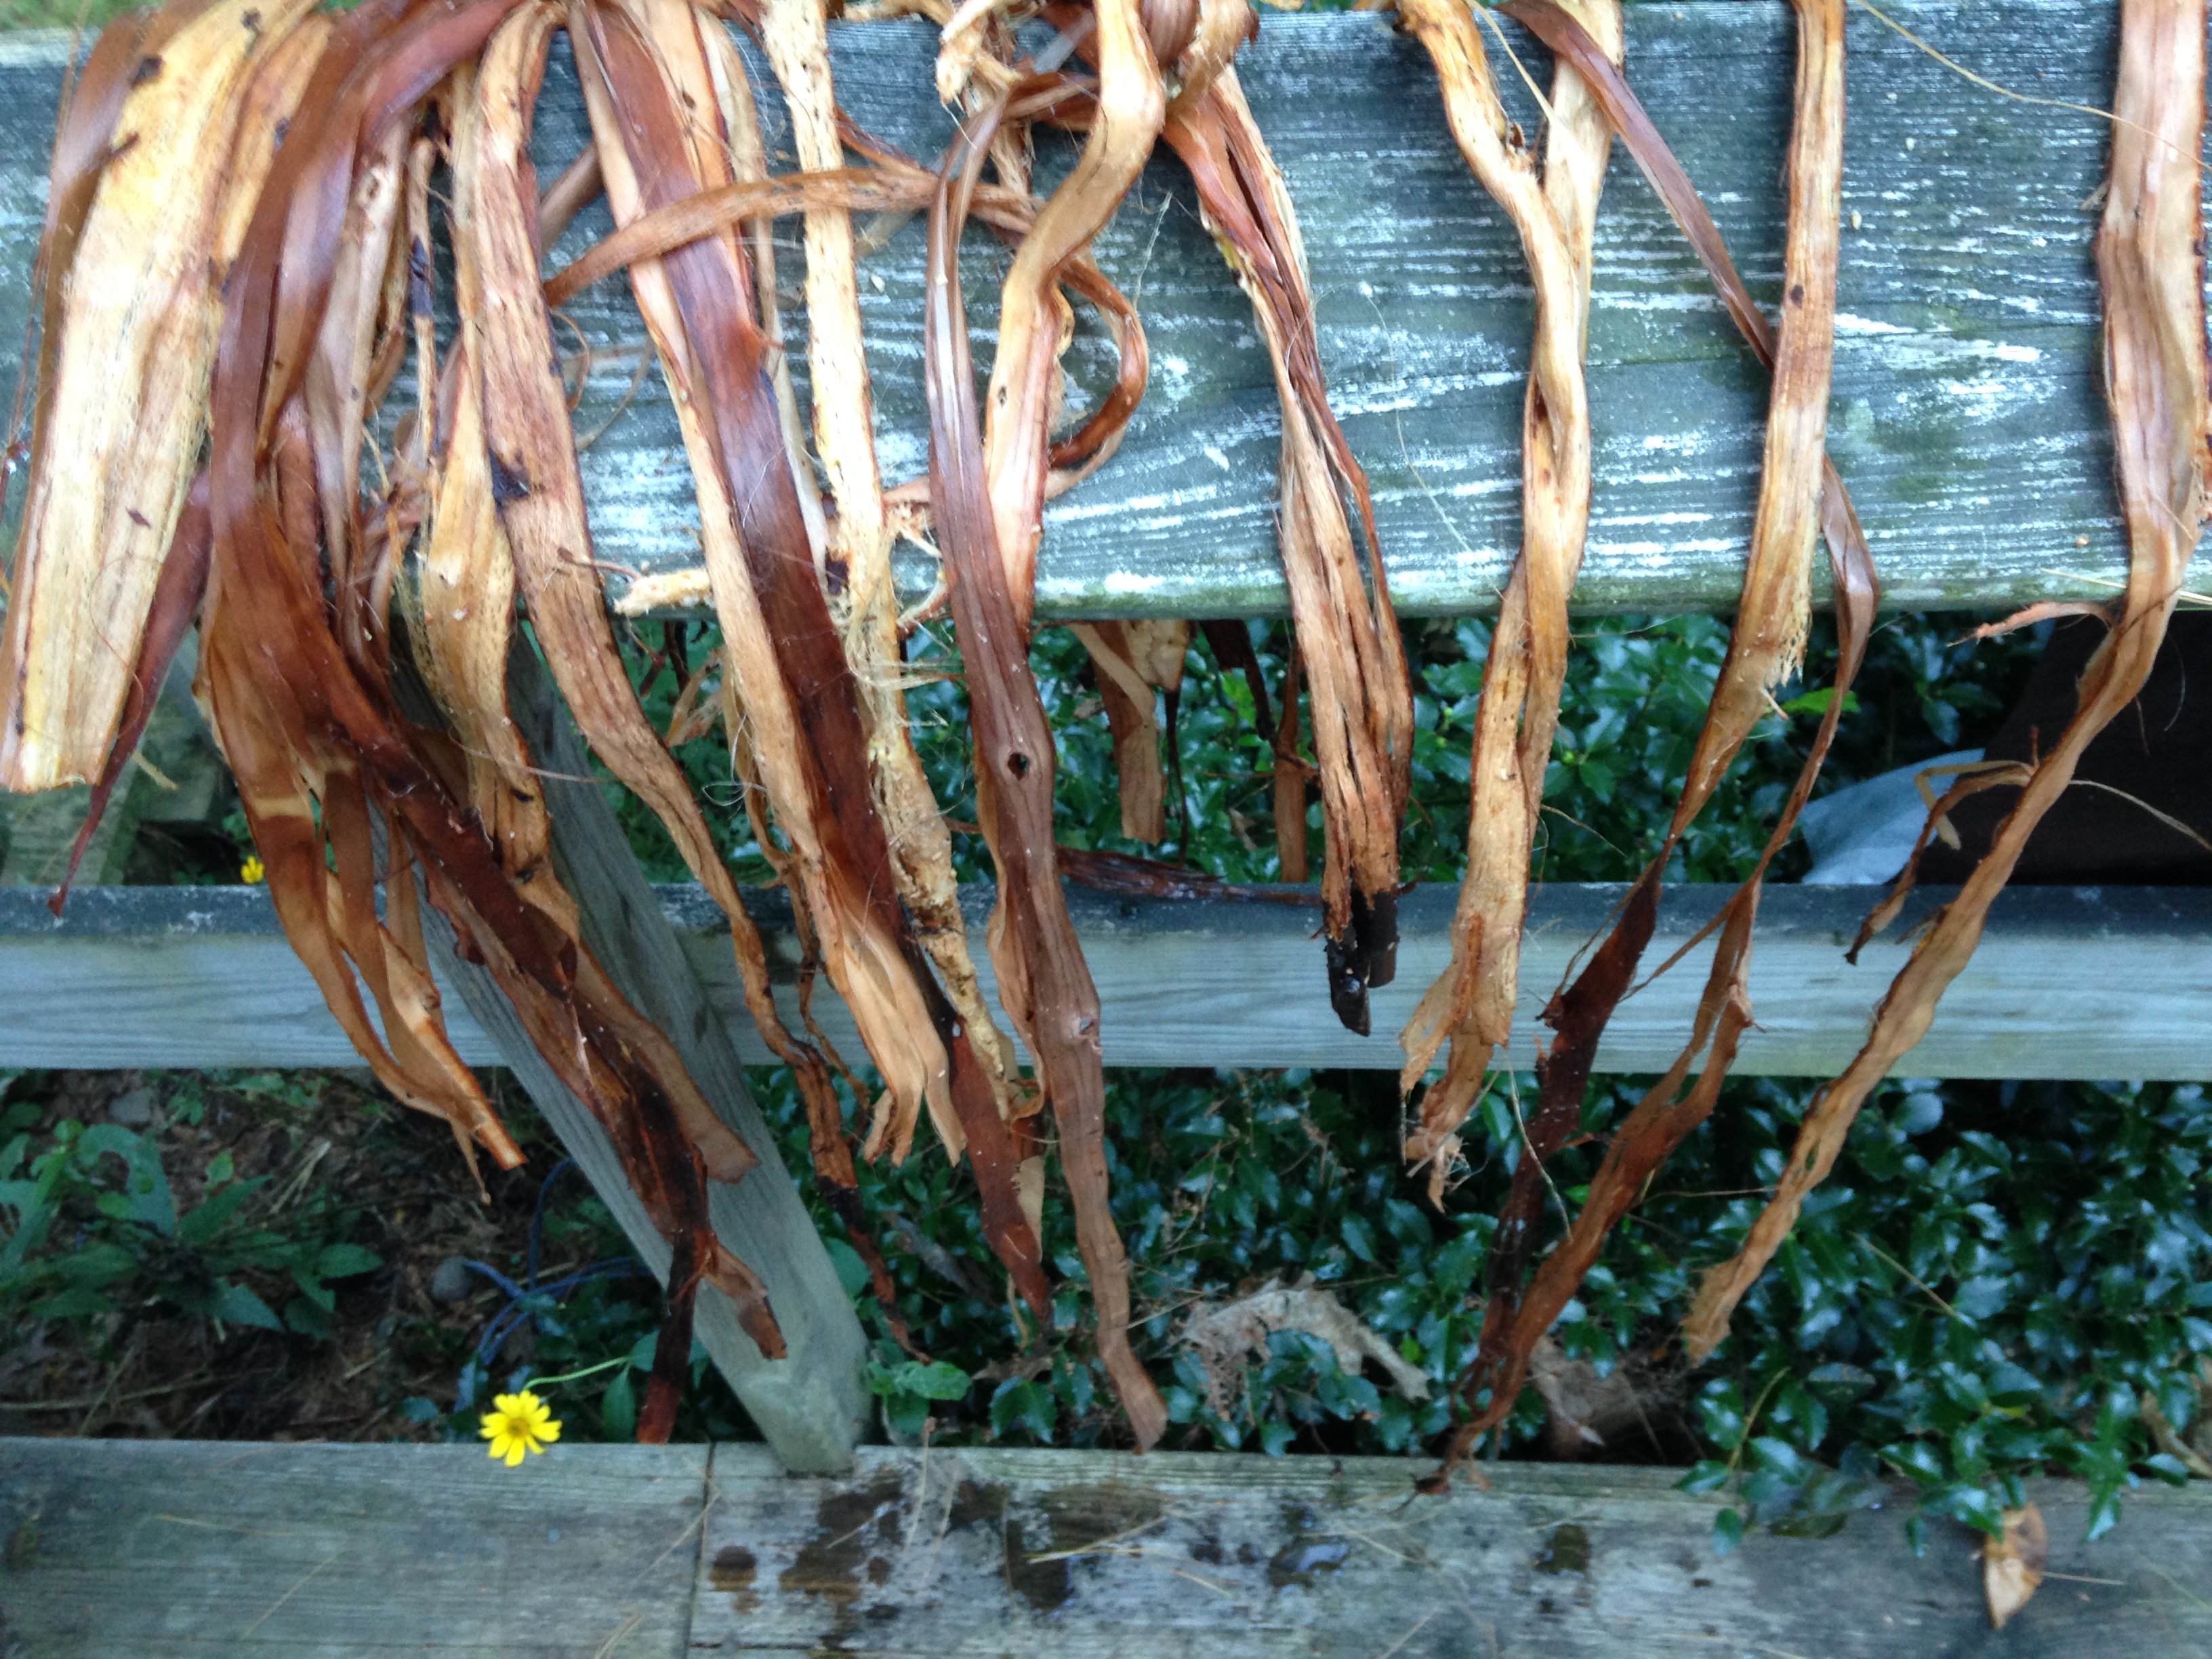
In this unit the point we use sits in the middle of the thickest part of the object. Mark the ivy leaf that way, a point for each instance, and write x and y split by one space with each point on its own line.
939 1381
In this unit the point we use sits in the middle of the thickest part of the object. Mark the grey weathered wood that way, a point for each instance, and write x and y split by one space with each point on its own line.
1175 1554
1965 417
2068 982
810 1404
137 1550
119 1550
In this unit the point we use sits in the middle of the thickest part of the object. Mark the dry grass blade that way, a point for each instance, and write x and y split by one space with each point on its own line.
2150 261
1553 210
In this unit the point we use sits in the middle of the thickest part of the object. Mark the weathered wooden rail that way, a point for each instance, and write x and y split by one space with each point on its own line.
1965 416
2070 982
120 1550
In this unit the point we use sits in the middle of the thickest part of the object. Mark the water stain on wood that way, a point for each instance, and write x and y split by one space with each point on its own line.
1076 1519
855 1527
1567 1550
732 1571
1310 1553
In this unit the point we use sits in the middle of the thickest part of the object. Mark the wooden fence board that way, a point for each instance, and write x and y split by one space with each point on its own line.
2068 982
984 1553
161 1550
123 1550
1966 418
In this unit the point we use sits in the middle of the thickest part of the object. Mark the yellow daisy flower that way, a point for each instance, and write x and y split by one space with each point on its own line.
253 871
518 1424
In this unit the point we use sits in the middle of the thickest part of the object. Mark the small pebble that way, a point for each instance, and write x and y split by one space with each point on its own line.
133 1109
2081 541
1908 143
1854 221
451 1281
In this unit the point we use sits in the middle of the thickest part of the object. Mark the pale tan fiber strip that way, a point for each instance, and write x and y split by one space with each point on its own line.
2151 259
128 402
1131 103
1471 1006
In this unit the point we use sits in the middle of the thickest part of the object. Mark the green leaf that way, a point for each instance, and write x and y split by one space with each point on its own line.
1710 1475
239 1306
1728 1531
1840 1384
852 1272
1815 703
78 1301
936 1382
1028 1405
307 1316
618 1407
201 1227
344 1260
1358 1237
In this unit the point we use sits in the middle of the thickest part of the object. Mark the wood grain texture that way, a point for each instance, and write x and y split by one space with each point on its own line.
157 1550
2069 982
811 1405
983 1552
123 1550
1966 415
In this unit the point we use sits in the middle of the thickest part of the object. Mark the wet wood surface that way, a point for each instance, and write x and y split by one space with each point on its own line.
120 1550
2068 982
1967 415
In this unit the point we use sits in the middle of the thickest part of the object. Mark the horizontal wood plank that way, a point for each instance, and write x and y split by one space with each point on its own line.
965 1554
2068 982
123 1550
157 1550
1967 416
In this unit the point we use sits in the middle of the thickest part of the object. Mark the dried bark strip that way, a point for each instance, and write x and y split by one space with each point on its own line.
1044 984
796 35
643 64
321 751
2150 260
1554 212
126 358
1347 633
1797 487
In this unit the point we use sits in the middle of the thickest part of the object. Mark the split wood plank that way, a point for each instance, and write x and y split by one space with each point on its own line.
1967 416
2068 982
811 1405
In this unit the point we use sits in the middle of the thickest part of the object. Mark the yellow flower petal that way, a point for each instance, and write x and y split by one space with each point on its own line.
550 1432
514 1455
